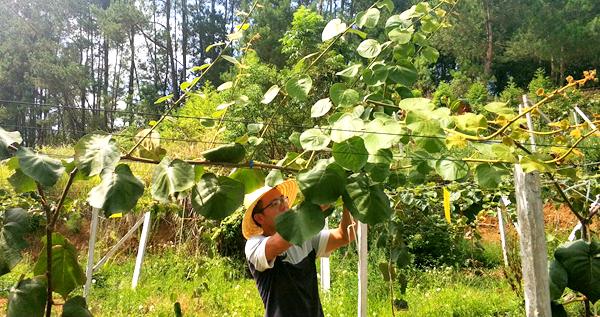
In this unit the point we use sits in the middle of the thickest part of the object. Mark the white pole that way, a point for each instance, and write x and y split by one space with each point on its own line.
91 245
141 250
362 269
585 118
116 247
325 272
533 243
502 236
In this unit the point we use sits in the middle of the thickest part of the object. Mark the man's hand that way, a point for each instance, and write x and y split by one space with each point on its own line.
342 235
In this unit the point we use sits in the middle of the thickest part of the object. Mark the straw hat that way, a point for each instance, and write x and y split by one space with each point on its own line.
288 188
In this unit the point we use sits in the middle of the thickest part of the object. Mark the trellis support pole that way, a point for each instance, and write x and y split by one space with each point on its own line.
141 250
91 246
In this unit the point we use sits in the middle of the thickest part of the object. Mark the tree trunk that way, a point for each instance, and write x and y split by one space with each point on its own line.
131 73
105 97
489 54
175 86
184 38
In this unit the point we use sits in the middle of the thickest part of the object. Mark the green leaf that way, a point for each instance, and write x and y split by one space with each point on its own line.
366 201
22 183
217 197
96 152
66 272
76 307
323 184
15 224
403 73
499 108
224 86
346 127
400 35
299 87
397 20
470 122
198 172
254 128
7 139
375 76
41 168
558 280
350 72
431 54
451 170
382 134
295 139
118 192
275 177
270 95
388 4
422 126
348 98
314 140
163 99
360 33
27 298
320 108
252 179
300 223
488 176
368 18
416 104
378 172
581 260
230 59
532 163
201 67
351 153
228 153
211 46
396 179
171 177
369 48
503 152
333 29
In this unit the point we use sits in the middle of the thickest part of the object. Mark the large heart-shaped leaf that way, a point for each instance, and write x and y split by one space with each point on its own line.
118 191
417 104
299 87
366 201
323 184
351 154
252 179
66 272
314 140
346 127
22 183
333 29
368 18
171 177
7 139
76 307
350 72
400 35
369 48
382 134
403 73
470 122
41 168
96 152
15 224
229 153
488 176
558 279
217 197
300 223
320 108
27 298
451 169
431 54
581 260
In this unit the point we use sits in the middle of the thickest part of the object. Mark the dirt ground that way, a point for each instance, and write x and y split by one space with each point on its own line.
558 221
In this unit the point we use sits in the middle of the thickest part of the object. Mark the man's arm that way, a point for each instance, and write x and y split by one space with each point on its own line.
276 245
342 235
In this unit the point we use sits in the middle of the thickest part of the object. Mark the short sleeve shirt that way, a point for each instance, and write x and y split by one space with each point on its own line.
288 284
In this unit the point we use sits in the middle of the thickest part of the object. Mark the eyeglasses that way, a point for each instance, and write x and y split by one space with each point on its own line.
277 202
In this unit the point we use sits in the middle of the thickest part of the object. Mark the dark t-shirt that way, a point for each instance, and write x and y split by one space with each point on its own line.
288 285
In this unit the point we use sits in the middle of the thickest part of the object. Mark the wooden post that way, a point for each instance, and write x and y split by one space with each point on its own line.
325 272
502 236
362 269
534 260
91 246
141 250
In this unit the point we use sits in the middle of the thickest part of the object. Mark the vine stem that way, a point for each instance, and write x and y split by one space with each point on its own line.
49 229
223 164
583 137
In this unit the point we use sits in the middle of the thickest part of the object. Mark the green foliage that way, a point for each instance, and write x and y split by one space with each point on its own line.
302 37
477 95
66 272
170 178
300 223
15 226
577 266
27 298
511 93
76 307
230 153
217 197
118 192
539 81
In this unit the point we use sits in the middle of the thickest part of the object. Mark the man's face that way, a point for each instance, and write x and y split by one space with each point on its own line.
274 204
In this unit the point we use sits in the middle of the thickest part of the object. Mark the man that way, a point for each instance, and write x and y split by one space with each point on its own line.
286 274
